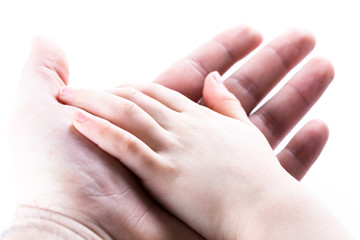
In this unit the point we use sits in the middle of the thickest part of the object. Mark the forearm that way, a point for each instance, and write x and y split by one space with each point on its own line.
43 224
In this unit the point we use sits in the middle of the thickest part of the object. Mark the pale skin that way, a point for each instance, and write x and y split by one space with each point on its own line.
216 173
61 175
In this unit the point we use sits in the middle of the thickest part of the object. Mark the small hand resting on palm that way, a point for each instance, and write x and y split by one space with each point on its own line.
211 167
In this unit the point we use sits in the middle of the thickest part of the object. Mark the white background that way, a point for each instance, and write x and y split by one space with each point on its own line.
110 42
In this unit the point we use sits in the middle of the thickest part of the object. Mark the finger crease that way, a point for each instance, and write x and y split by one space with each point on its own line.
226 48
198 66
271 123
294 156
250 86
300 94
284 62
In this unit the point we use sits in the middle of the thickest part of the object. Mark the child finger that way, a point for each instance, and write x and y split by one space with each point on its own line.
218 98
124 146
168 97
158 111
122 112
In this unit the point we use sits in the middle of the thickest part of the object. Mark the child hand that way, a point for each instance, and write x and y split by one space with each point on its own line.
208 169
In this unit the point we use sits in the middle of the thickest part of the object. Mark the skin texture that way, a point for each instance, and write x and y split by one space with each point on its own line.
219 188
62 173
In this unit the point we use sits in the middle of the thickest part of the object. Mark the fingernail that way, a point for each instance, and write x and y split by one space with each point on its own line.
82 116
216 76
65 90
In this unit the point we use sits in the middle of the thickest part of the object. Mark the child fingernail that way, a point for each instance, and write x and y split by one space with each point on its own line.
65 90
216 76
82 116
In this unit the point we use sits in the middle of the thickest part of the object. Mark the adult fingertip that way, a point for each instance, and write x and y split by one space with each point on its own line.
325 66
239 41
304 36
253 34
319 128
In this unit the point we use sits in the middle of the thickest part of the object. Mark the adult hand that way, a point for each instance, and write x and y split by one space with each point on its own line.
253 81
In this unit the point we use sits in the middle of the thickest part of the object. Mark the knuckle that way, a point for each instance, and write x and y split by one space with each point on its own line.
150 162
105 129
148 88
224 46
82 97
131 92
129 143
168 167
160 163
129 108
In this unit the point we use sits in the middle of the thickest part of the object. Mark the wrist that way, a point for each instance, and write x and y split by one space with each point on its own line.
292 212
241 212
30 222
274 211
